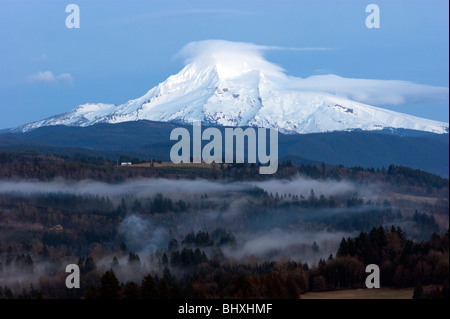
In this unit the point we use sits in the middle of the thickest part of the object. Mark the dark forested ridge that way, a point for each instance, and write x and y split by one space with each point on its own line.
144 139
152 230
33 165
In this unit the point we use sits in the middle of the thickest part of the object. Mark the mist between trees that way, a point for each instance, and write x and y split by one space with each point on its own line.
130 226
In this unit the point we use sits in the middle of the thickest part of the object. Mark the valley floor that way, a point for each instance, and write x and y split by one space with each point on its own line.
382 293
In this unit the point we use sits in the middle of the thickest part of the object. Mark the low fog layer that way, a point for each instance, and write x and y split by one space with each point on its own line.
265 239
301 186
263 232
176 189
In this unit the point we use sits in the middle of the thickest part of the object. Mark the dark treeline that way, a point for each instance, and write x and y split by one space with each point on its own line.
403 263
87 219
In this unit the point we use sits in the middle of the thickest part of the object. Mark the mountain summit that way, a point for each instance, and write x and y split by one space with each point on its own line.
231 84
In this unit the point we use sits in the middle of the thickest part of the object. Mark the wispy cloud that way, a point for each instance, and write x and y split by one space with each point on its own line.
48 77
373 91
195 13
370 91
42 57
298 48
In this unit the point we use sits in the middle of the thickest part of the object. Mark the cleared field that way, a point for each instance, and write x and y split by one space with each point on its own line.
170 164
415 198
382 293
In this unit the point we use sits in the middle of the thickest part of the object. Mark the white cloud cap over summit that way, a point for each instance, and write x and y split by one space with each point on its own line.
232 84
231 58
236 58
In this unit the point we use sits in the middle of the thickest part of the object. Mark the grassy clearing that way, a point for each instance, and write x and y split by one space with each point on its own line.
382 293
415 198
170 164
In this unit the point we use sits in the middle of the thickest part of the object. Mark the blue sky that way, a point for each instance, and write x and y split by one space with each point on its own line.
124 48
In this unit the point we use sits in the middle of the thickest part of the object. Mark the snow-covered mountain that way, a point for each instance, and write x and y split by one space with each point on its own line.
228 86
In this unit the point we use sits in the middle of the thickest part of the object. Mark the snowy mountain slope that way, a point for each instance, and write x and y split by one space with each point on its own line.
229 87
